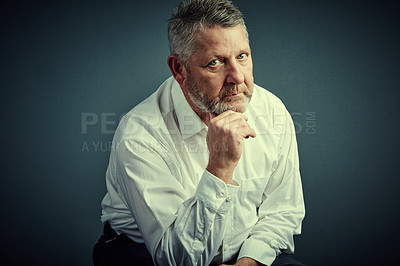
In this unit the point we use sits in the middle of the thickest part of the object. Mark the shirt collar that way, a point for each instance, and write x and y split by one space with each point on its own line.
189 123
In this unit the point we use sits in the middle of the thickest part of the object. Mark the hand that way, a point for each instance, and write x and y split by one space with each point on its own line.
225 140
245 262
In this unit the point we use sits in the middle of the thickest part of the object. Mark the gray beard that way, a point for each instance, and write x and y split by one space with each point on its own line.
207 106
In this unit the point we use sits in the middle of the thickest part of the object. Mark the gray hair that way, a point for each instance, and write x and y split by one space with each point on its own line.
194 15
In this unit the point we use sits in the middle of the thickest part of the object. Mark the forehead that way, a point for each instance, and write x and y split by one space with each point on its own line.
221 39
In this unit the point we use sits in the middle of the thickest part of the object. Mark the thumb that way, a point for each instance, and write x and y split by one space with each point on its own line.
211 115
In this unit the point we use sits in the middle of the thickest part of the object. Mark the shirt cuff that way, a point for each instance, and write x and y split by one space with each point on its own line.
215 192
257 250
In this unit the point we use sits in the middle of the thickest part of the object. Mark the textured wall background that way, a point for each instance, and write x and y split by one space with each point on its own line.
335 64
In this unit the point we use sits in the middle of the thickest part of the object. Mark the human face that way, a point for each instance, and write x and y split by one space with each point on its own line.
220 72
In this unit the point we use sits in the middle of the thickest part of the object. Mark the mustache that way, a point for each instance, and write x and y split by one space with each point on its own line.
236 89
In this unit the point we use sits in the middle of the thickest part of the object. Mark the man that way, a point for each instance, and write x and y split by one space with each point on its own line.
204 171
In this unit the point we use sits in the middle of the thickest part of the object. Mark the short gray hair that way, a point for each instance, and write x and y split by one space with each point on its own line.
194 15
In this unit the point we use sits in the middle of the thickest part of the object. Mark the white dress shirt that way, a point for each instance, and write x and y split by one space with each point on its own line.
159 192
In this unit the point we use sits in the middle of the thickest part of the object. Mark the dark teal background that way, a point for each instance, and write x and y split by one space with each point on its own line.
335 64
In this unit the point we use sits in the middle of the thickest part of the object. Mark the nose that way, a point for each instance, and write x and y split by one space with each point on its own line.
234 73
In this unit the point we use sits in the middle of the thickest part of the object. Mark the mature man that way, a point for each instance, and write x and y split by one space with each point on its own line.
199 173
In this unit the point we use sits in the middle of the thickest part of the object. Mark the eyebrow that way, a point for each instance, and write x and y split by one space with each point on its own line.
243 51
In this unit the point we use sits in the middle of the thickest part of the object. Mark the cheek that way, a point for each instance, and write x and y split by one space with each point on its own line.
212 85
249 79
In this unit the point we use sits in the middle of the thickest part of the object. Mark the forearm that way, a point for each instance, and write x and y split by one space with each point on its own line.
280 217
282 212
179 225
197 231
270 236
246 261
224 140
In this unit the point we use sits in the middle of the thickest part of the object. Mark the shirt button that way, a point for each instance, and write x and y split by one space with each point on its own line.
228 199
220 195
226 247
201 238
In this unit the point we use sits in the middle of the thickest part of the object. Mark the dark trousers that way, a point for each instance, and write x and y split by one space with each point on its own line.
119 250
281 260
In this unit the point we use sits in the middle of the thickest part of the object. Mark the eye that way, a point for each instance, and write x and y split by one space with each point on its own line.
214 63
242 56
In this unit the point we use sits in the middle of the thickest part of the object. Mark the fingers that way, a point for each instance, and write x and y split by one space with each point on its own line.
234 122
246 133
252 133
211 116
227 116
227 129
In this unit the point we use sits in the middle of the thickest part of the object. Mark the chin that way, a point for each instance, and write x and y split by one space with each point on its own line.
238 107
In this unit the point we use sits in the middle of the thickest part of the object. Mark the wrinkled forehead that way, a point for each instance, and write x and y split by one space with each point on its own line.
221 39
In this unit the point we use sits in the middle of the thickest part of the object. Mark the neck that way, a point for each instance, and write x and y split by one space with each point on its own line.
205 117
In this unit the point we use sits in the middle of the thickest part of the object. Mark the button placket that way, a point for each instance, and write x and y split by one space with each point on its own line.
226 247
220 195
201 238
229 231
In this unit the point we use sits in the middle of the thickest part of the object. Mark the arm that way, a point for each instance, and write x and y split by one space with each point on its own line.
245 261
179 227
282 209
225 142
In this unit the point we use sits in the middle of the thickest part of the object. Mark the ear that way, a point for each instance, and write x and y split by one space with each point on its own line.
177 68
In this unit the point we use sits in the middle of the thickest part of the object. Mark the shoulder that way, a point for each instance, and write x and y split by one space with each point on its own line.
268 113
157 103
265 101
146 120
